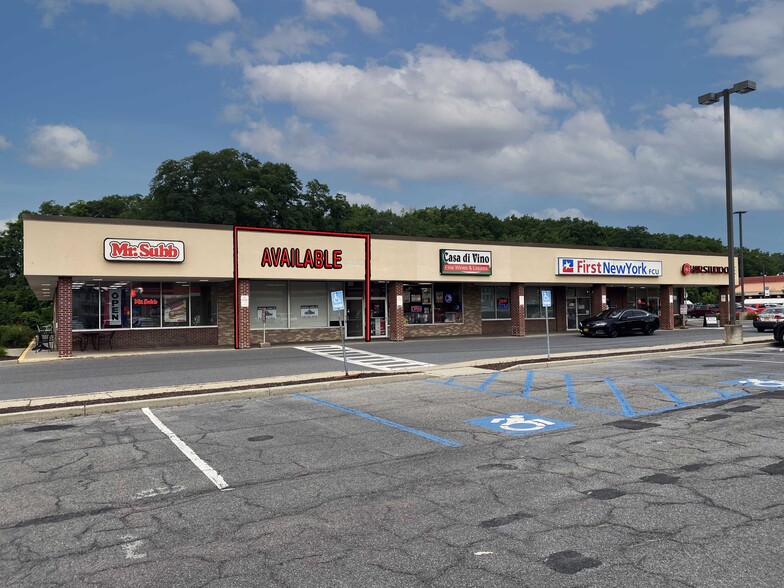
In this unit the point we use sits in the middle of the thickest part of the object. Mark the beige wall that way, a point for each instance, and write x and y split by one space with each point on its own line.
55 246
251 246
418 261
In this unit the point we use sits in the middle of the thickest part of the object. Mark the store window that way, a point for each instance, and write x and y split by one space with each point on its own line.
448 303
643 298
146 305
270 298
495 302
533 303
175 304
418 304
426 304
142 305
308 305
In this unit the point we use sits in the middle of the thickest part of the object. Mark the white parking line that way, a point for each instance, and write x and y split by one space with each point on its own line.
386 363
205 468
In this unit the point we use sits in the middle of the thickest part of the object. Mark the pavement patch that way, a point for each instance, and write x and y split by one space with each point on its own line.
662 479
505 520
633 425
775 469
570 562
605 493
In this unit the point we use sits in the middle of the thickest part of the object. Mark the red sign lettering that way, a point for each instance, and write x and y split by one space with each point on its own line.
311 258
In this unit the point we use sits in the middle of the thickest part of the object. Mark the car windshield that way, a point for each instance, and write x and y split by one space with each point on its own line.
772 311
612 313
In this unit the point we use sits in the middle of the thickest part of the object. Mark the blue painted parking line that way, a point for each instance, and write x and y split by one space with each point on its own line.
376 419
614 386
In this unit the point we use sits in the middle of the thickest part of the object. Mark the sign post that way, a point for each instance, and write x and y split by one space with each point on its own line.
547 302
338 305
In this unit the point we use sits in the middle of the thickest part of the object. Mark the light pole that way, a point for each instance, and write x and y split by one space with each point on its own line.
740 214
711 98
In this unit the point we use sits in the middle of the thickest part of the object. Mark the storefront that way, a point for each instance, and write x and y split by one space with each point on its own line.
156 284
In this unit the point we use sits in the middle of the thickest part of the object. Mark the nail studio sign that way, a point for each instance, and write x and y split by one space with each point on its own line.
143 250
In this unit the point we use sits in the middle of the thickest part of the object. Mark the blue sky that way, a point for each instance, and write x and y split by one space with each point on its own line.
582 108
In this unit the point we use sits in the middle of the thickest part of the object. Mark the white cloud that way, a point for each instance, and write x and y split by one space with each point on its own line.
289 38
61 146
497 46
372 201
576 10
4 143
555 214
219 51
365 18
756 36
502 124
212 11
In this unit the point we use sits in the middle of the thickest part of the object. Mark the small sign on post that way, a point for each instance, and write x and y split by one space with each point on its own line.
339 306
547 302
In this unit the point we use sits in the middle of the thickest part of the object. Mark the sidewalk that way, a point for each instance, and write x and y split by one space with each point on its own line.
51 407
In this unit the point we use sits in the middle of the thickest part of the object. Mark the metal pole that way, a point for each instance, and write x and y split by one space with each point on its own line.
343 339
547 328
740 214
728 173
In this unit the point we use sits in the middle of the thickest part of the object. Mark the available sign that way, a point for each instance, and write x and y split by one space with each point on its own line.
458 262
143 250
577 266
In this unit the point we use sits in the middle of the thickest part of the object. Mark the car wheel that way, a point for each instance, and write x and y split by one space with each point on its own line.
648 329
612 332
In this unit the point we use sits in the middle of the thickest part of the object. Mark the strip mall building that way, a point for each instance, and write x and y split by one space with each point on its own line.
156 284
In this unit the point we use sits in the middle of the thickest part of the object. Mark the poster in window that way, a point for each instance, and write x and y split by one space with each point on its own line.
309 311
176 310
426 296
416 298
439 297
406 296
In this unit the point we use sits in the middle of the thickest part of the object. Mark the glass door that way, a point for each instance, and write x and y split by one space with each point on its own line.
355 318
578 307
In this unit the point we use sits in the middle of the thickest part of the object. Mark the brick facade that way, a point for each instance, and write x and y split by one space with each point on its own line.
598 293
243 330
396 319
472 319
516 295
666 307
63 307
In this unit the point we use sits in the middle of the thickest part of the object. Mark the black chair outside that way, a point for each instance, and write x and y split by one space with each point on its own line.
44 338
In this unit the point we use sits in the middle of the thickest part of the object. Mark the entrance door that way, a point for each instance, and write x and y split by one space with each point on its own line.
355 318
578 307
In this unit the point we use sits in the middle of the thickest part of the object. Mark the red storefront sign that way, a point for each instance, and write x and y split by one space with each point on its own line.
143 250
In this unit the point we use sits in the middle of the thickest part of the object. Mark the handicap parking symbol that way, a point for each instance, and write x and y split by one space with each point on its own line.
519 424
757 383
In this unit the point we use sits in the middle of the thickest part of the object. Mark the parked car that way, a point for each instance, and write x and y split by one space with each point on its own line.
700 310
768 318
619 320
778 332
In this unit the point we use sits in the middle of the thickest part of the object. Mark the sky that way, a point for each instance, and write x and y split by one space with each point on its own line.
550 108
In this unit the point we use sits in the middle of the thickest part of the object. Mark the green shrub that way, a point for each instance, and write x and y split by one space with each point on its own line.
3 352
16 335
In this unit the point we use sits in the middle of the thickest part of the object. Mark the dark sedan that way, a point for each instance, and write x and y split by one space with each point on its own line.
617 321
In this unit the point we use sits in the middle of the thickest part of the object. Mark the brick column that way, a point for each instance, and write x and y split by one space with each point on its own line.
724 307
63 317
243 315
666 308
397 322
517 307
598 293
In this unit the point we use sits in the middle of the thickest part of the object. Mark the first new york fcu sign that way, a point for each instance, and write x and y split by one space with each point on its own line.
579 266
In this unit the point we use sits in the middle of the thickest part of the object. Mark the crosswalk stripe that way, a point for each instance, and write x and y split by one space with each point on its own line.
364 358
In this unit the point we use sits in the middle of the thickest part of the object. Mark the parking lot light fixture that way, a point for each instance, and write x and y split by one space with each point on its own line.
743 87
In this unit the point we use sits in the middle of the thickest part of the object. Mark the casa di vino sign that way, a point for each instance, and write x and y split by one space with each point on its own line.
143 250
459 262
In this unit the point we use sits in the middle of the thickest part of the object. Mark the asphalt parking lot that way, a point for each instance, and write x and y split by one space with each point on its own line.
661 471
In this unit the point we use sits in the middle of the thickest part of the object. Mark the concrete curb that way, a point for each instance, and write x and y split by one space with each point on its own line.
55 407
